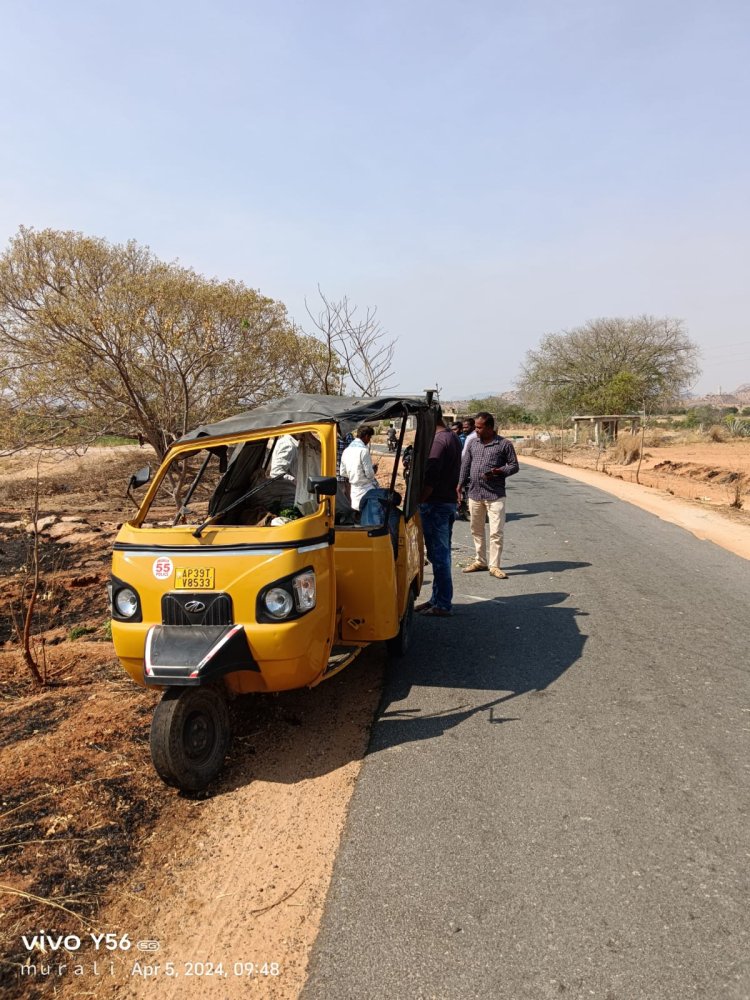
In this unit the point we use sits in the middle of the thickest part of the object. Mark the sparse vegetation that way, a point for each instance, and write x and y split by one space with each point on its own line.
700 417
506 414
737 427
80 630
655 437
736 500
114 440
701 468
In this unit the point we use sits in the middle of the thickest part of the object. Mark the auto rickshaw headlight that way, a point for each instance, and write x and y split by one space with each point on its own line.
288 598
304 590
126 602
278 602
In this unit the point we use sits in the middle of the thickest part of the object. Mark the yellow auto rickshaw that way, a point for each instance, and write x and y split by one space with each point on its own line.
246 569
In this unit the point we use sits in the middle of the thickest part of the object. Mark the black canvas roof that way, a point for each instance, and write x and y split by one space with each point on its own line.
347 411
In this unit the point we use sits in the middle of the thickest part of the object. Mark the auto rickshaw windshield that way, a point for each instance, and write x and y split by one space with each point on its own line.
262 481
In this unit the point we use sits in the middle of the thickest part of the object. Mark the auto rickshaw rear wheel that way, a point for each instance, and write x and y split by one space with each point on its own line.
398 646
190 736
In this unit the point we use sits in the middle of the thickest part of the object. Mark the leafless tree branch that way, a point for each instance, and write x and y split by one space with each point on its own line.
357 350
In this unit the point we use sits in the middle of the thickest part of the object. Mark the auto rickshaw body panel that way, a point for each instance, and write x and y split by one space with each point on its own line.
363 576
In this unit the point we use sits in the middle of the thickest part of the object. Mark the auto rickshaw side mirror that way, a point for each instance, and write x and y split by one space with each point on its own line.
322 486
140 478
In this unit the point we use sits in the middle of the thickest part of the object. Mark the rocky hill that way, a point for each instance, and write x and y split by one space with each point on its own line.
739 397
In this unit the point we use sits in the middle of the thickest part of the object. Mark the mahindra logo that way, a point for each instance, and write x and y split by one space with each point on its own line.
193 607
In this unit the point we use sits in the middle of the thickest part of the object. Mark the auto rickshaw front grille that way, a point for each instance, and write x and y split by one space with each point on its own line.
207 609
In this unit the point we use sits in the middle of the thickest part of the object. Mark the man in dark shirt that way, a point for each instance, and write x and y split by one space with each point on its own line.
487 461
438 512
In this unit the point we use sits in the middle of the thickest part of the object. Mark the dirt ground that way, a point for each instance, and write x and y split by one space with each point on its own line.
91 842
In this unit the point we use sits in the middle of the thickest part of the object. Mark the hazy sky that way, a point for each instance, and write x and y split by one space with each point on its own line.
482 172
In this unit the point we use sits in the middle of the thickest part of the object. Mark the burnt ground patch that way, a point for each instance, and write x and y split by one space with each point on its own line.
31 720
78 799
78 795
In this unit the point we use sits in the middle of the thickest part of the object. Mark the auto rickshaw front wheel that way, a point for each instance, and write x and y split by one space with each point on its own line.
190 736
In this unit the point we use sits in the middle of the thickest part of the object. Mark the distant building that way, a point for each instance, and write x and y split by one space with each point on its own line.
604 425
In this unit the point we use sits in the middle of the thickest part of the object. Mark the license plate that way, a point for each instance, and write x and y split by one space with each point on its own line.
195 578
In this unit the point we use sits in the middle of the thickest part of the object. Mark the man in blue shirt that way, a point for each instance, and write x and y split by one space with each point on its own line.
487 461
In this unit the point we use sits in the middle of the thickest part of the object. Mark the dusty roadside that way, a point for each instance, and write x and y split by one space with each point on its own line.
234 890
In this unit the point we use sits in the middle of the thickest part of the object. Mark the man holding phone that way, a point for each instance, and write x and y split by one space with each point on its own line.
487 462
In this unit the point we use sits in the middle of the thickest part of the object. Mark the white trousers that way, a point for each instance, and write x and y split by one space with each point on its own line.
495 510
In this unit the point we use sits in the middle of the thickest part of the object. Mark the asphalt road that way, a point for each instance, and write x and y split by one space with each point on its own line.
555 801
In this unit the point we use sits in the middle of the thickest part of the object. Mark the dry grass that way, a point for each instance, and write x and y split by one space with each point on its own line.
104 472
657 437
736 491
77 798
626 450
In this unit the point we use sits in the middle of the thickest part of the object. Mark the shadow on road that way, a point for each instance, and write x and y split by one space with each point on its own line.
512 646
505 647
408 725
553 566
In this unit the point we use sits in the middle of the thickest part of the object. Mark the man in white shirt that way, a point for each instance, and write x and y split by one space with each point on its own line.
357 467
469 434
308 465
284 459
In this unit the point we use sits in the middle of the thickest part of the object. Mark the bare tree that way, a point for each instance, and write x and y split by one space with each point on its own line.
29 592
357 353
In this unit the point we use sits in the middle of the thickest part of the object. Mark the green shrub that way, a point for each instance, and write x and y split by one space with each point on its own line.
737 427
111 440
700 416
78 630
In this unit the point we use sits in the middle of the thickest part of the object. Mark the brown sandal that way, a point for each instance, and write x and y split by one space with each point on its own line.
434 612
475 567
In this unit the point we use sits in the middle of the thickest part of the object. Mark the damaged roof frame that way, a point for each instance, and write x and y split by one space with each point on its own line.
348 412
